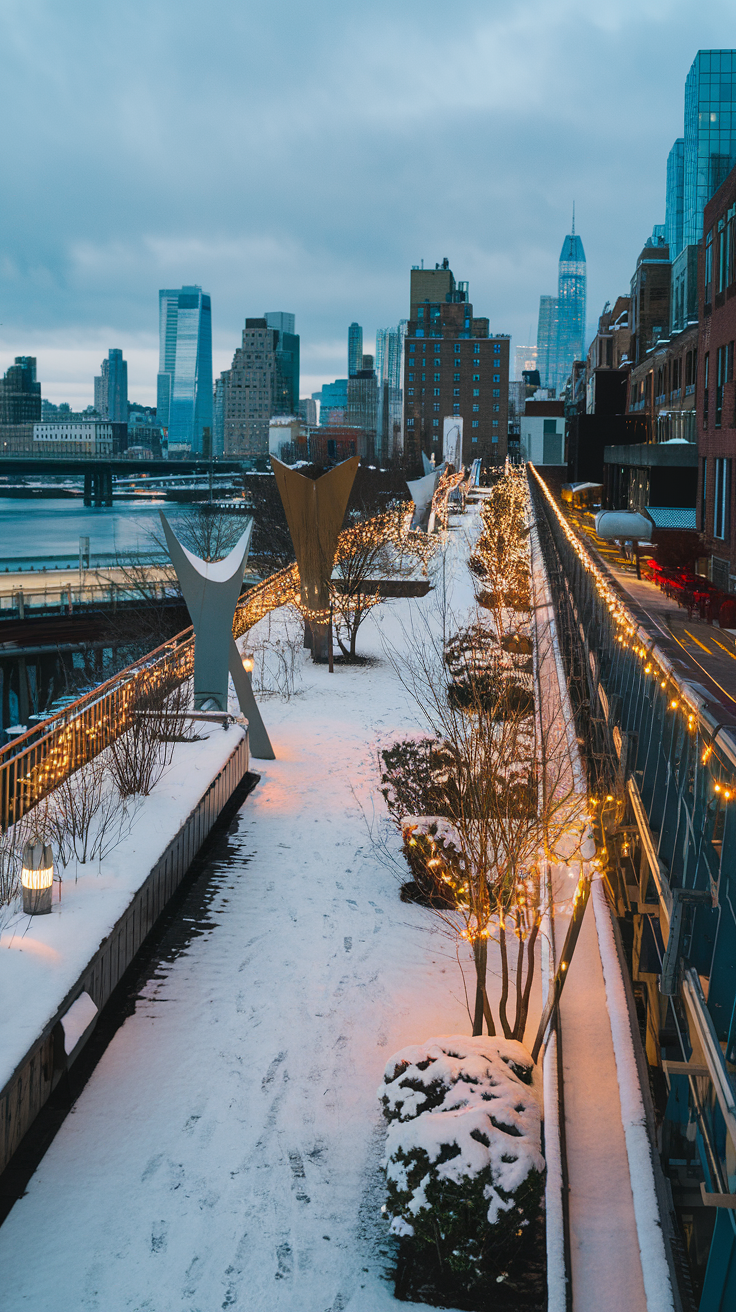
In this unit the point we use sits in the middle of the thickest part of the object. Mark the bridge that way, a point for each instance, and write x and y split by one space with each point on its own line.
98 471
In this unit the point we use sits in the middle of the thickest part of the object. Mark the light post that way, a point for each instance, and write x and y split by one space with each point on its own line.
37 878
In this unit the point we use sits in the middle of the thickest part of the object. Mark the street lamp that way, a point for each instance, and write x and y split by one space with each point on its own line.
37 877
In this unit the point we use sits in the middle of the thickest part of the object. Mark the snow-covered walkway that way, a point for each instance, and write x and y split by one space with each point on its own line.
226 1151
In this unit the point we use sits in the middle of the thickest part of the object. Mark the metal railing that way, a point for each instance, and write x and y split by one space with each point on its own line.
666 754
37 761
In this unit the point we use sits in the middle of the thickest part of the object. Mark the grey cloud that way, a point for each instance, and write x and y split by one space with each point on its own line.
305 156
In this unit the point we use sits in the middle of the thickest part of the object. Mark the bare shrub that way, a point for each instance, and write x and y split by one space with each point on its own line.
139 756
85 817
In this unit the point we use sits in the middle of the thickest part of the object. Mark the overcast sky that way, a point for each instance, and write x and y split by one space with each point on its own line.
292 156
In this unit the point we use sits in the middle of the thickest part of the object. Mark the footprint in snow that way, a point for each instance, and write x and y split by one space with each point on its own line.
348 944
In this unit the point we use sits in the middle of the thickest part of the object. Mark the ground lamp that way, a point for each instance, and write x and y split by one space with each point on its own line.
211 590
315 509
37 877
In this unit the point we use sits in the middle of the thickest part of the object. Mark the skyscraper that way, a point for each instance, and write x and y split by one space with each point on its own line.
561 329
710 134
184 391
696 166
389 362
111 389
355 349
675 197
20 405
286 374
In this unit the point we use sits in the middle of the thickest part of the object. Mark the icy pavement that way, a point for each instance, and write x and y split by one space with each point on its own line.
226 1151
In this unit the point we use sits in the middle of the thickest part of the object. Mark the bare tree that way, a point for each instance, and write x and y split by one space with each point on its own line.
509 804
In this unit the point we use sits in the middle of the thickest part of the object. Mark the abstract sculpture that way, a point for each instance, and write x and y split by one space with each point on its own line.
315 509
211 590
452 441
422 490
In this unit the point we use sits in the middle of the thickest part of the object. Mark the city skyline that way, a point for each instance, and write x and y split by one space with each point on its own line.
69 288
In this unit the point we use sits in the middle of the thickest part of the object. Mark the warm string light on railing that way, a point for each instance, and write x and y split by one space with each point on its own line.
629 638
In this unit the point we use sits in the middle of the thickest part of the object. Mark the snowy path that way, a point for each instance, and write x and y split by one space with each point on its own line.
226 1151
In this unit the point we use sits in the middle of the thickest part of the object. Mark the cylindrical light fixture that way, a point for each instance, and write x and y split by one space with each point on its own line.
37 877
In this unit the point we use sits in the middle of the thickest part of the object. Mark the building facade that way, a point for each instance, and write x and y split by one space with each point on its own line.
333 402
20 406
389 372
716 398
249 392
286 364
184 385
111 388
362 407
452 366
355 349
561 326
77 436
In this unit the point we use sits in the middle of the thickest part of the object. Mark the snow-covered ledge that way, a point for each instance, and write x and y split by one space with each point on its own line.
92 934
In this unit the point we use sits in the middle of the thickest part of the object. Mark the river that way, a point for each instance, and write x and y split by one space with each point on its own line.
31 528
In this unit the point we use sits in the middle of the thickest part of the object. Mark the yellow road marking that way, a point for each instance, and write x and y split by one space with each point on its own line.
700 644
726 649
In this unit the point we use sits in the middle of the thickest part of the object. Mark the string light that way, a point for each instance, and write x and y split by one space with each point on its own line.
628 626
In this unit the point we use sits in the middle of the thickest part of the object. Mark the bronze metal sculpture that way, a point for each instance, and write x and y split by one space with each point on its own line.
315 509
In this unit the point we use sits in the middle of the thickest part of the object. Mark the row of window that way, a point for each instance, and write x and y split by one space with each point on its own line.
724 374
475 423
725 255
721 496
437 348
456 378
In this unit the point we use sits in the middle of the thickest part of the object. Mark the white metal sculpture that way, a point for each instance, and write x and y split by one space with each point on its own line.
422 490
211 590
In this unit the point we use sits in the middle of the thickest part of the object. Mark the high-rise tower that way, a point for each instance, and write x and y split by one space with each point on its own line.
355 349
184 390
111 389
561 330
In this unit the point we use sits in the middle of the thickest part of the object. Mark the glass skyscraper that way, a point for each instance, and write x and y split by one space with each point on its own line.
561 328
355 349
675 201
184 390
699 161
111 389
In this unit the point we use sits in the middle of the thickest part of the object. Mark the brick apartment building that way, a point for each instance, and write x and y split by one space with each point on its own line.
452 366
716 411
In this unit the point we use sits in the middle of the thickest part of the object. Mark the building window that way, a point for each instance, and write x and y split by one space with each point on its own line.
706 371
496 348
457 348
476 408
721 255
410 423
435 423
412 348
476 349
708 268
720 379
436 405
476 392
436 378
496 391
495 423
496 378
496 409
703 493
721 498
456 391
410 391
476 378
475 423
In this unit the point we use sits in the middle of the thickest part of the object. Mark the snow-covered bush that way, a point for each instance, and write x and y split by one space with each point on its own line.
463 1161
